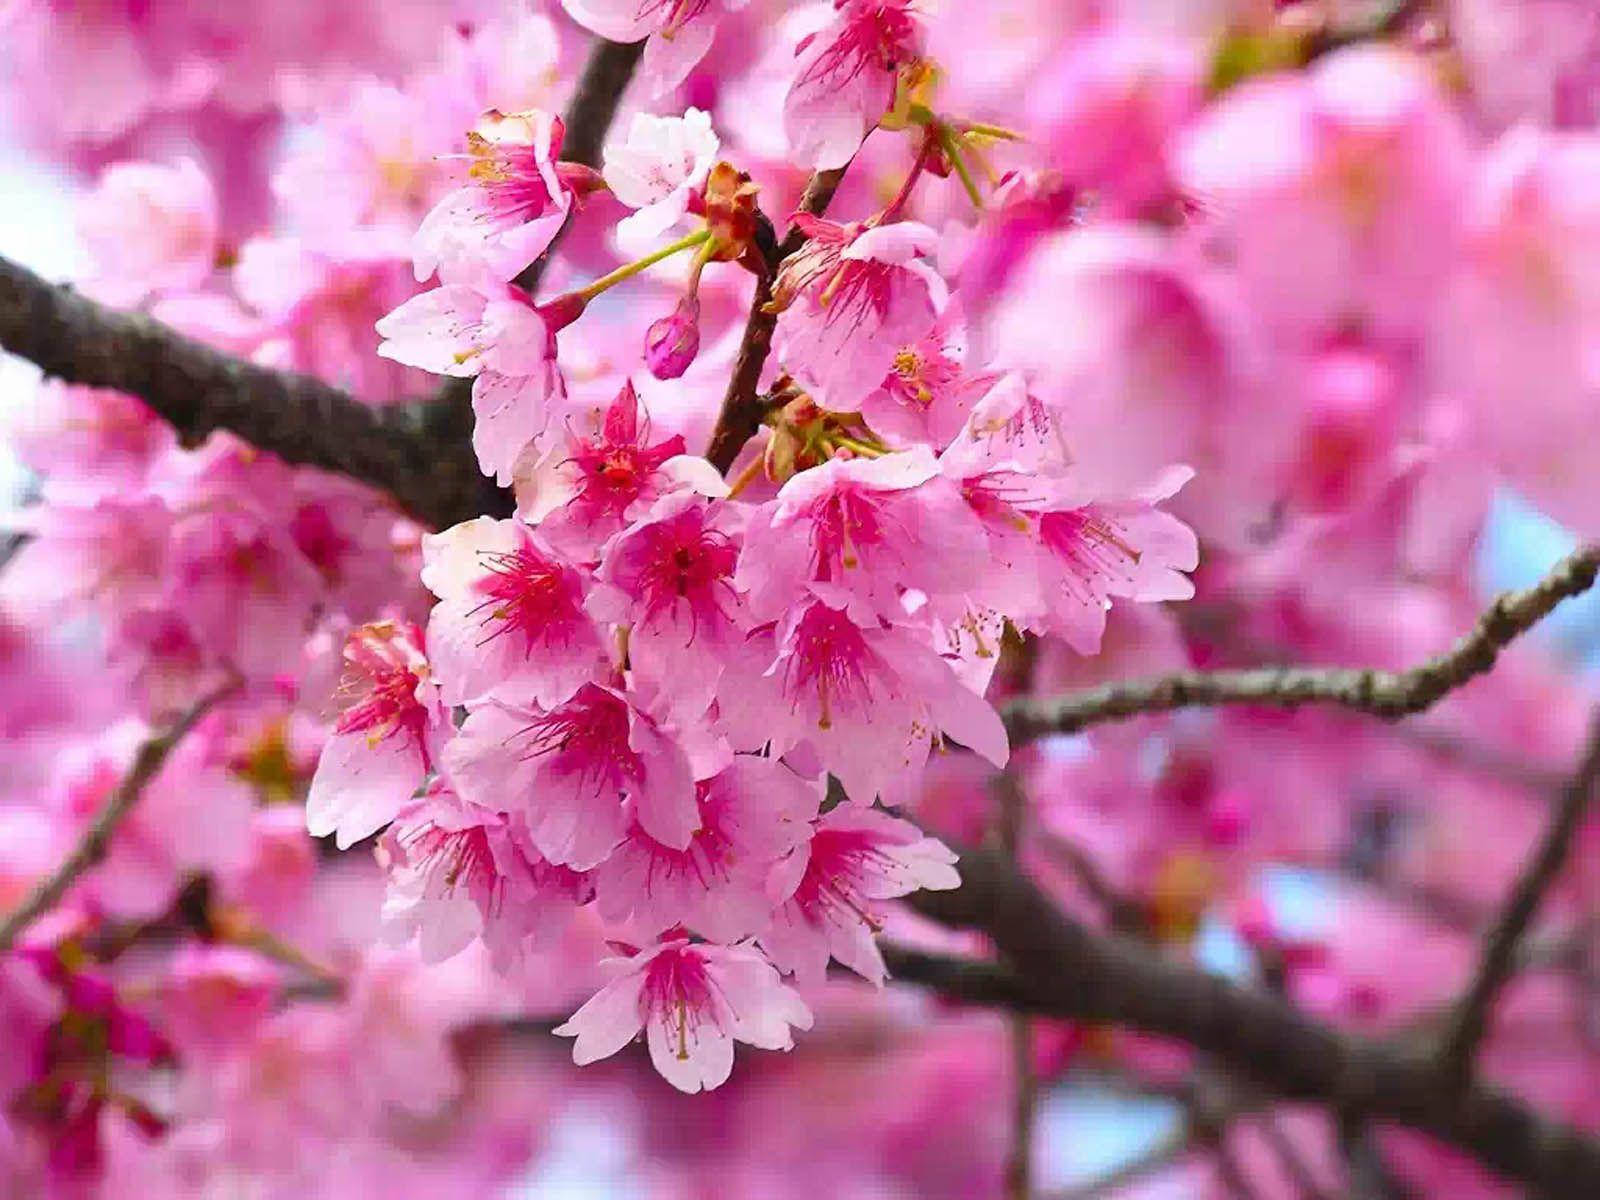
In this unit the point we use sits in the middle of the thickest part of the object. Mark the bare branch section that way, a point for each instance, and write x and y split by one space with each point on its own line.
742 408
1387 694
1061 968
92 847
1500 957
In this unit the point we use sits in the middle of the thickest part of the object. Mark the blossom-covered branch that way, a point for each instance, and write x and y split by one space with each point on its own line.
1500 946
742 407
91 848
1062 968
198 390
1388 694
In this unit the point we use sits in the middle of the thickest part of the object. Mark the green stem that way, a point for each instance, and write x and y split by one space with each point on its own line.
629 270
994 131
952 151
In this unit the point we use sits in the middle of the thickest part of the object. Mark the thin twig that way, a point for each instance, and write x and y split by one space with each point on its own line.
1387 694
1499 957
1011 804
742 409
91 848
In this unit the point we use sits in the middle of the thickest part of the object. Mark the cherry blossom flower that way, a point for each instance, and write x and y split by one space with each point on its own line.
680 32
150 228
870 527
511 208
382 746
510 621
831 886
870 700
851 298
501 337
607 475
845 78
693 1002
457 873
567 771
669 578
657 170
927 393
751 815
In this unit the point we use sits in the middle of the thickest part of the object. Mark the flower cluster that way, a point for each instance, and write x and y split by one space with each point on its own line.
657 671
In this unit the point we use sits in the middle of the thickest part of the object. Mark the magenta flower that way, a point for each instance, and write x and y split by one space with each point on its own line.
606 477
869 527
503 338
510 209
510 621
870 700
693 1002
852 297
751 815
845 78
575 773
831 889
669 578
381 748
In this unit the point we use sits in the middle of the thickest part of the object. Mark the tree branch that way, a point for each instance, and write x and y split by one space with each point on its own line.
1383 693
198 390
419 454
1500 958
91 848
1061 968
742 409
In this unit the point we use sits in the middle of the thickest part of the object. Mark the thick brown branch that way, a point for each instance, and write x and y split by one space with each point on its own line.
1500 958
1062 968
742 407
1384 693
199 390
91 848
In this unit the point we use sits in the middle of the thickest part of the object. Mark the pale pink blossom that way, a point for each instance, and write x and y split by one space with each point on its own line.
574 773
1110 109
830 891
456 873
658 170
382 746
1335 193
927 393
510 621
680 32
851 297
870 700
149 228
751 815
693 1002
511 208
501 337
845 78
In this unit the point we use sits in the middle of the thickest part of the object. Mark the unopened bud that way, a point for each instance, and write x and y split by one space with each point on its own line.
671 343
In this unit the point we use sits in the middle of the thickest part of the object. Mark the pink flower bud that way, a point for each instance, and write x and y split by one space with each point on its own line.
671 343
